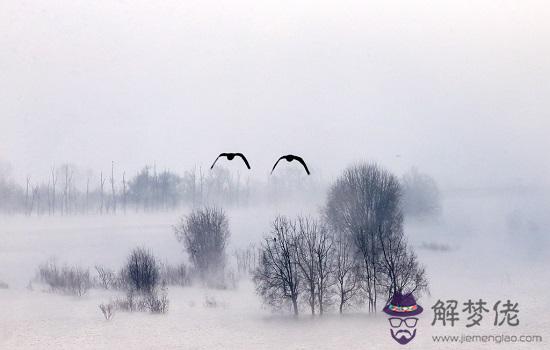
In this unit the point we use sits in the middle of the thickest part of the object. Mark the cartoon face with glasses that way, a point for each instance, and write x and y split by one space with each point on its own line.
402 309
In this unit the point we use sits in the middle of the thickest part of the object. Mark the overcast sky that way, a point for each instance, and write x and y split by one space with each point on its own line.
460 89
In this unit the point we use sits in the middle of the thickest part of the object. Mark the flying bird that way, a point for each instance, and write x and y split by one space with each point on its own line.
230 156
290 158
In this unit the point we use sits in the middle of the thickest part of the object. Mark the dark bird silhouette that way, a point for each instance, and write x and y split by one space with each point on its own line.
230 156
290 158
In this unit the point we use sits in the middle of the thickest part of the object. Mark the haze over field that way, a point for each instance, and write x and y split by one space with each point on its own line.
458 89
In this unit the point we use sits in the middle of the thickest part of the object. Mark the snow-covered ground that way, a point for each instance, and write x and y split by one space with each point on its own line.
498 251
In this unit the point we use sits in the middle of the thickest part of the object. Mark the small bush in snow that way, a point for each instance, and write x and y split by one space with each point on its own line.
175 275
153 301
126 304
108 310
67 279
210 302
157 304
107 278
141 272
204 234
140 279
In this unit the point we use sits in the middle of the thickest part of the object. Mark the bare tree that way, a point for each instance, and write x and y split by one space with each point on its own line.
36 199
27 211
101 184
278 277
193 180
48 193
364 204
204 234
306 241
399 266
113 193
68 173
155 188
345 271
54 183
246 260
124 191
87 193
201 179
324 254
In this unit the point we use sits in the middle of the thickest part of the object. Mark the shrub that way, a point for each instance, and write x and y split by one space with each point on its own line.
204 234
106 277
150 301
210 302
71 280
157 304
125 304
141 272
108 310
175 275
140 278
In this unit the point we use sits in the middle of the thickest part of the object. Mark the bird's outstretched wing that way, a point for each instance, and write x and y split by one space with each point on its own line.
277 162
221 155
244 159
302 162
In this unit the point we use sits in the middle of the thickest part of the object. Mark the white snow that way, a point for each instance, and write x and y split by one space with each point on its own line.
488 260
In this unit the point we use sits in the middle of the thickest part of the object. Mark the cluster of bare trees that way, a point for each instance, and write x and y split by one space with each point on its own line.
364 206
356 253
299 263
68 192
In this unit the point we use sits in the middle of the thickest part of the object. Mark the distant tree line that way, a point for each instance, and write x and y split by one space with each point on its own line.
68 191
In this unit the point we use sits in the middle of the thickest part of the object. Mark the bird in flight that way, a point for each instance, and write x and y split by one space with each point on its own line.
230 156
290 158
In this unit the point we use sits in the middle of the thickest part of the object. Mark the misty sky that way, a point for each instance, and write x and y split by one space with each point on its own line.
460 89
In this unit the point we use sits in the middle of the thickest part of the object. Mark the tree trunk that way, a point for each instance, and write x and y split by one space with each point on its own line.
113 194
320 296
312 298
295 305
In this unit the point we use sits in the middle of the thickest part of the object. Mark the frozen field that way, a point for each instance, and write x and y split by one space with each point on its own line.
498 249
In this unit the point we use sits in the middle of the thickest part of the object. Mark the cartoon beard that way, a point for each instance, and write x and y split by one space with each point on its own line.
403 336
